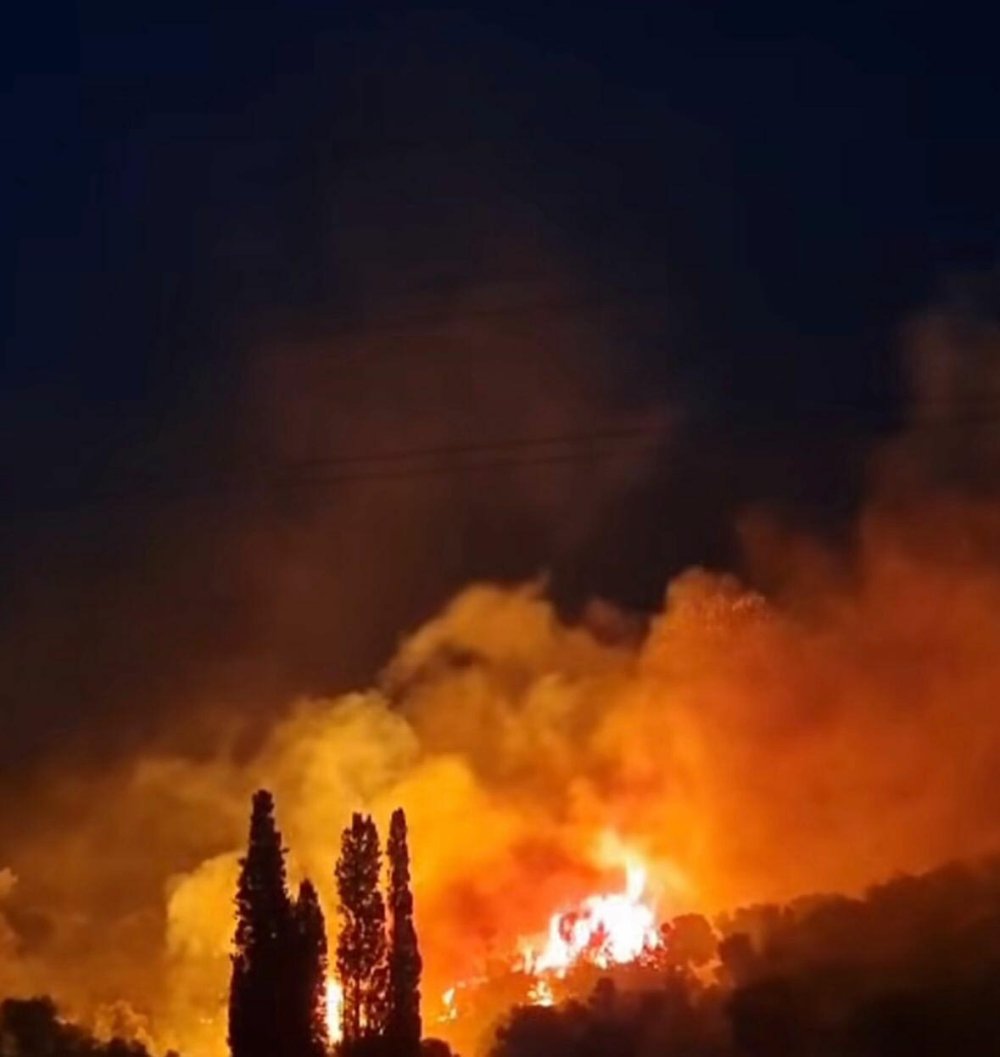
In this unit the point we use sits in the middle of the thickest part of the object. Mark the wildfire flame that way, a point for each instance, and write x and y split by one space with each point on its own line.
334 1008
603 930
541 994
448 1002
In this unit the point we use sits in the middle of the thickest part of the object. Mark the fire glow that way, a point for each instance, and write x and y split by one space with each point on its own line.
603 930
334 1008
505 729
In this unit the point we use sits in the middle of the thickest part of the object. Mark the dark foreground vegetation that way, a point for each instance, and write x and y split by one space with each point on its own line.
277 994
910 970
32 1027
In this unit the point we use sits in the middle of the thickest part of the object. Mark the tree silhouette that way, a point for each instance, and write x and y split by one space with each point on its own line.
307 1027
403 1028
32 1027
361 948
259 988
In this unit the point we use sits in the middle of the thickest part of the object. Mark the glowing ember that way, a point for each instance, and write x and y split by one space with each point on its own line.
604 930
448 1002
541 994
334 1006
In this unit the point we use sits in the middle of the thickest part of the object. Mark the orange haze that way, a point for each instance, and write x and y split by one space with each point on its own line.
836 725
745 747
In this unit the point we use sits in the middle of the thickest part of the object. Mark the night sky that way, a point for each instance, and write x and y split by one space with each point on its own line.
244 245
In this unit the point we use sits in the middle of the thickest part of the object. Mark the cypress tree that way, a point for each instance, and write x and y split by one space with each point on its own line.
257 1007
404 953
308 1023
361 954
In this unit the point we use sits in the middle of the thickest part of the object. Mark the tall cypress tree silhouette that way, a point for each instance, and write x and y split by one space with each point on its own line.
404 953
361 964
307 1027
257 994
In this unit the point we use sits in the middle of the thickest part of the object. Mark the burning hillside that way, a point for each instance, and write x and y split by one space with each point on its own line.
914 959
602 932
742 747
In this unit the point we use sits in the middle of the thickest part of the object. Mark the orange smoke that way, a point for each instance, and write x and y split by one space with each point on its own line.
745 746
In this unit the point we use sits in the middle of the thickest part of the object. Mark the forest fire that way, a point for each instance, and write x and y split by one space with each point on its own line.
603 930
555 456
518 742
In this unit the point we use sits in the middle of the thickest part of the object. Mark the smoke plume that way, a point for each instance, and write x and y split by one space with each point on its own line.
822 720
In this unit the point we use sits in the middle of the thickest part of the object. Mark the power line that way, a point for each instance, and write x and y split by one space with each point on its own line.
406 465
223 491
508 444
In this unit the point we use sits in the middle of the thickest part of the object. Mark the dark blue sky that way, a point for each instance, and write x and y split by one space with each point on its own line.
826 164
729 209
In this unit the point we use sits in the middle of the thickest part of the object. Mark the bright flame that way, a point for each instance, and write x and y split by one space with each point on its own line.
448 1002
541 994
603 929
334 1008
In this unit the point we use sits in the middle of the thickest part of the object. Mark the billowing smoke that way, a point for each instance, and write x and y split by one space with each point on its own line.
748 748
823 720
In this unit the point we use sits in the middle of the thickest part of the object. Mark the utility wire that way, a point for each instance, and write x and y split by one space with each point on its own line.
451 460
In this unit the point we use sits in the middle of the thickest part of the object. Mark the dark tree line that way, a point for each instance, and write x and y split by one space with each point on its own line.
32 1027
277 998
912 969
